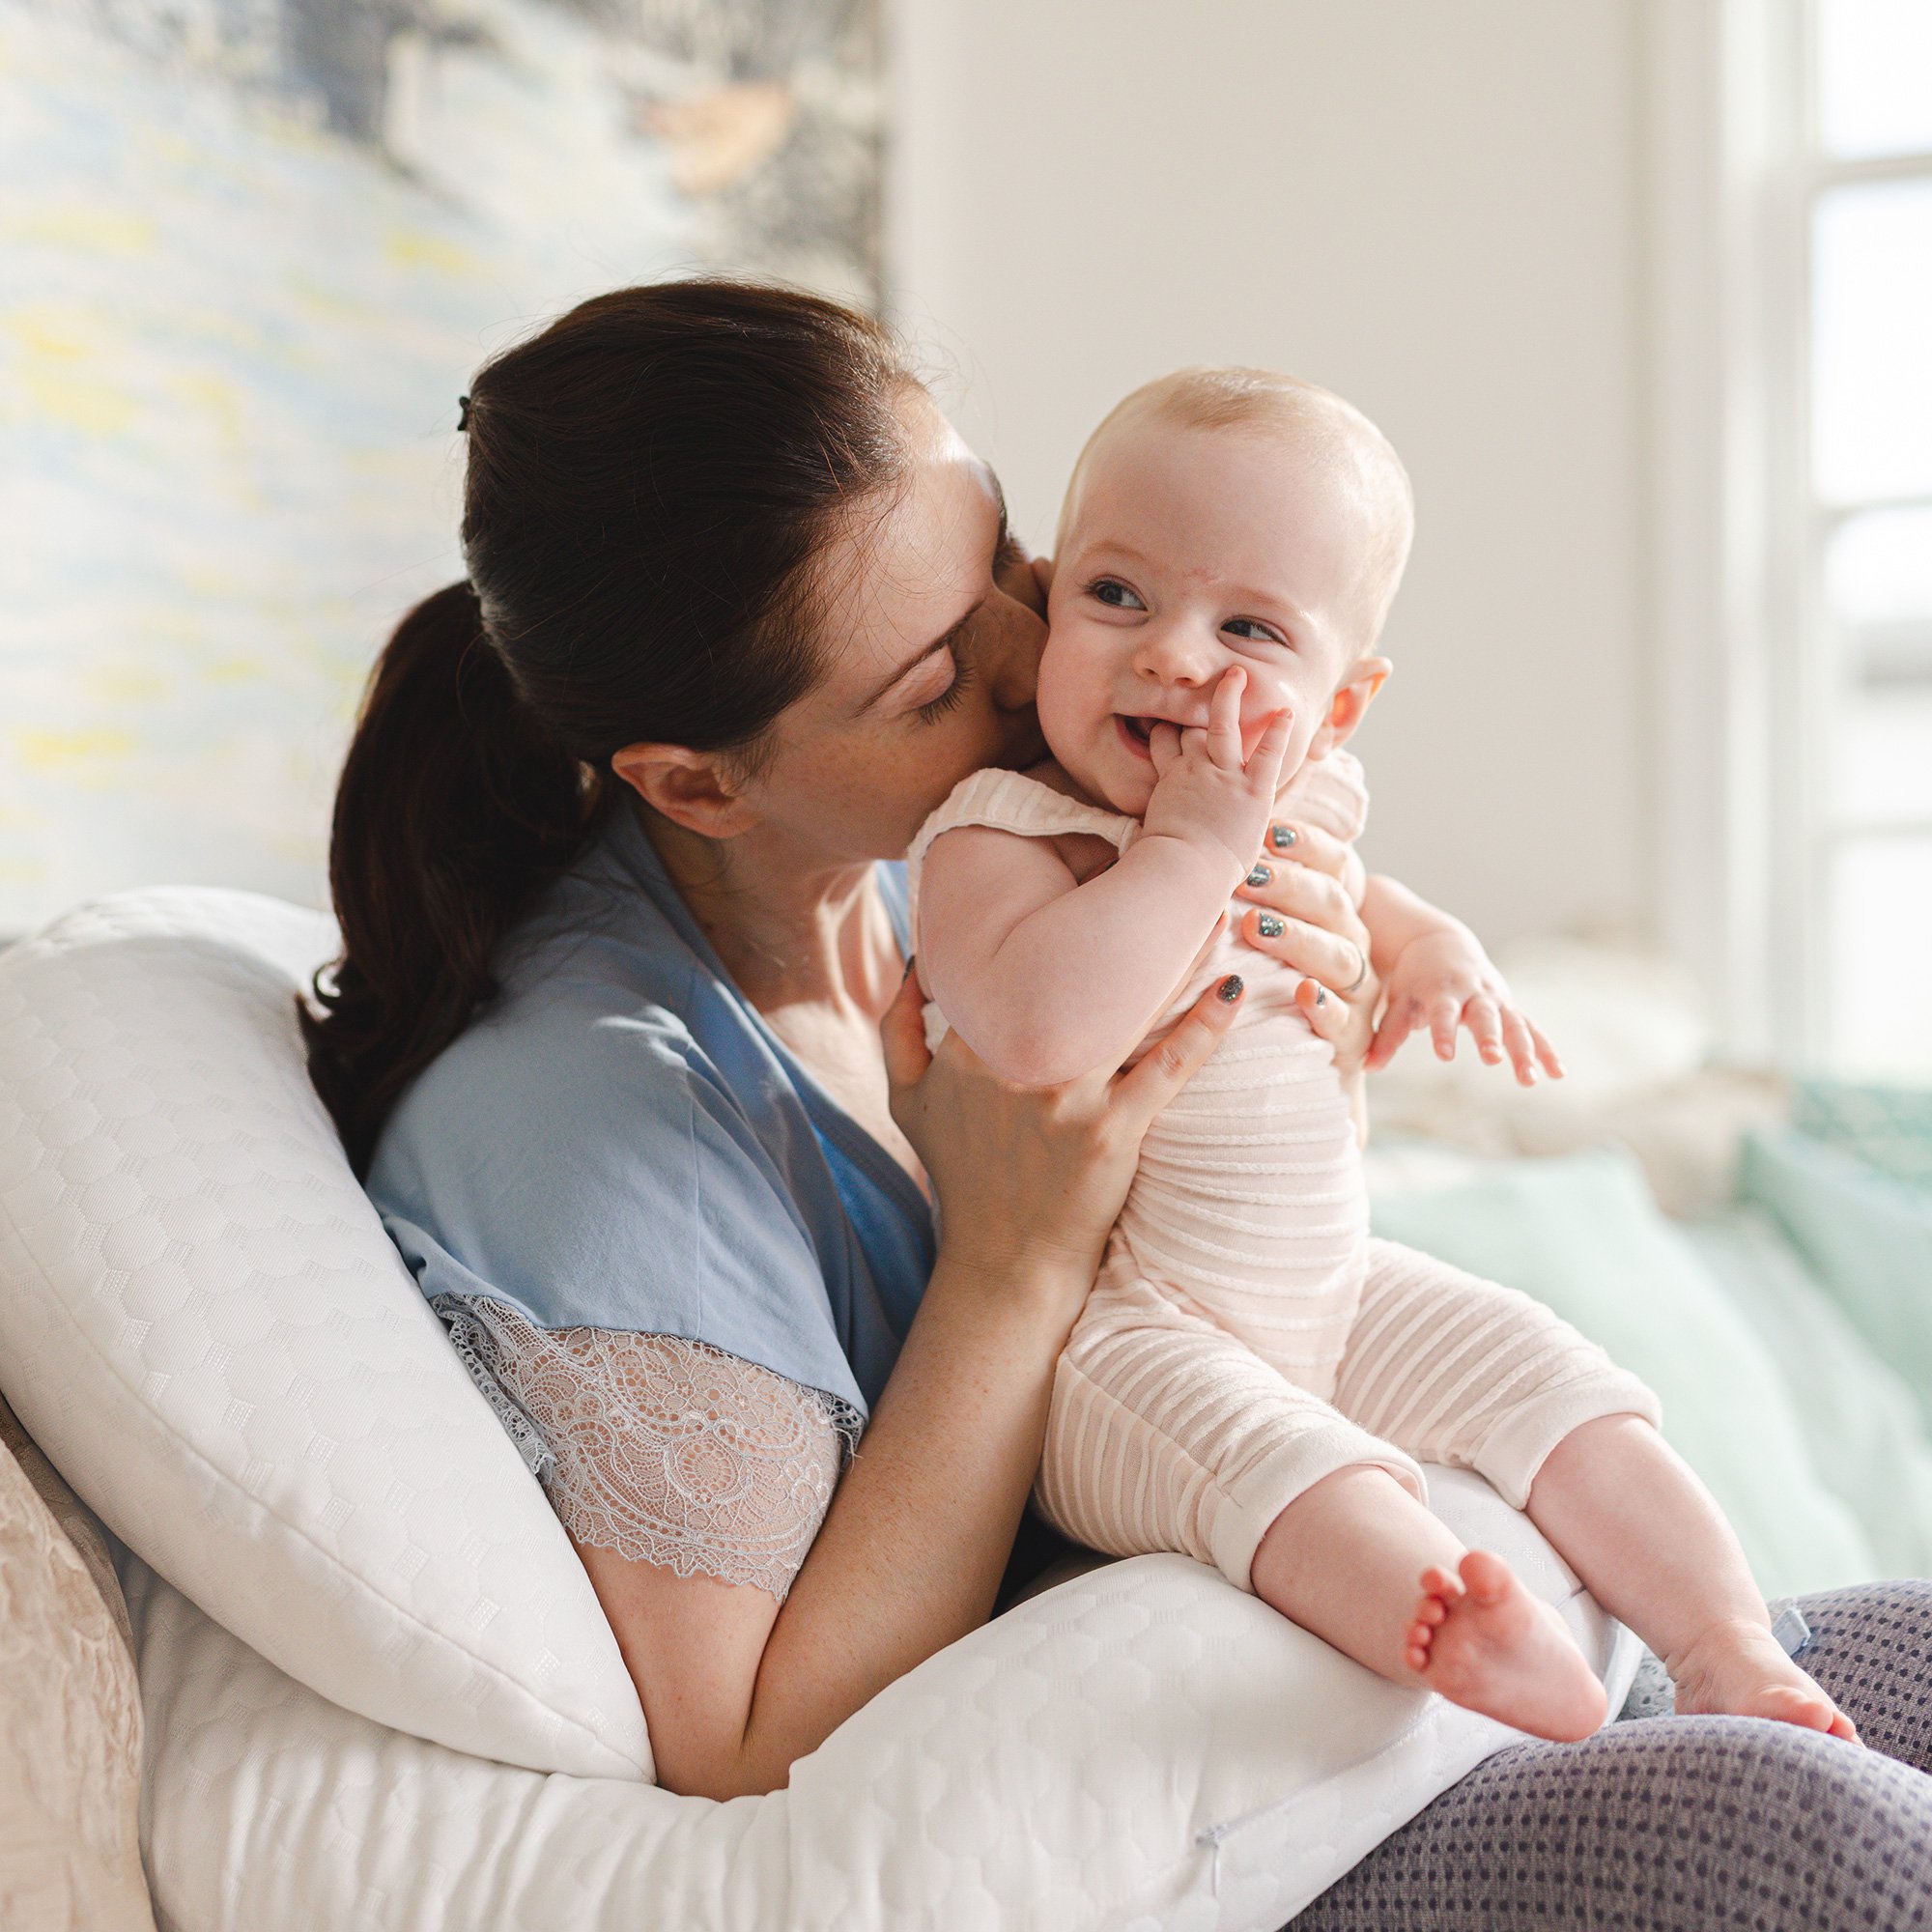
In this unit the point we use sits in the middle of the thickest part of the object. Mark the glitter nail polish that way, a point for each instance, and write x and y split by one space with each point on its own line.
1282 837
1269 926
1259 876
1230 988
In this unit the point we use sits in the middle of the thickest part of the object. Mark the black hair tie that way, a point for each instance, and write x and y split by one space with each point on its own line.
462 413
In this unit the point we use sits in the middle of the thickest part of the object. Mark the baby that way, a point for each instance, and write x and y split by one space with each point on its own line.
1253 1378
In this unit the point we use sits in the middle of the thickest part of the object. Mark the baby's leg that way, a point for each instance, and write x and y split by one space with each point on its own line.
1647 1538
1361 1563
1459 1370
1167 1433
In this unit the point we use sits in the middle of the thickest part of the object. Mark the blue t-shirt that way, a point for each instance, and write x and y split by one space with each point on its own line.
621 1142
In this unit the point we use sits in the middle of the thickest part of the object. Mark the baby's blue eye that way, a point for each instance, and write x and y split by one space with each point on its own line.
1111 591
1253 628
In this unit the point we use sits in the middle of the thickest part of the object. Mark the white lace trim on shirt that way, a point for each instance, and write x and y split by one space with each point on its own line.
666 1450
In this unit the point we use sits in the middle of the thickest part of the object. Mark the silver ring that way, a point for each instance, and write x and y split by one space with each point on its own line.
1356 981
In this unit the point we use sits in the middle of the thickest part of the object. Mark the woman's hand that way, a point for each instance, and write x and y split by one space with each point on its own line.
1031 1178
1305 889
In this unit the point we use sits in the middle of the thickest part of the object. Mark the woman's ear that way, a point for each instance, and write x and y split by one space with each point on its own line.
697 790
1350 706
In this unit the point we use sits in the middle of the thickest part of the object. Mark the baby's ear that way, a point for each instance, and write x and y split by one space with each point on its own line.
1350 706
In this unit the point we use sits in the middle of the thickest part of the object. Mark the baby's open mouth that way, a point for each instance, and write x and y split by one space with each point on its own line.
1135 733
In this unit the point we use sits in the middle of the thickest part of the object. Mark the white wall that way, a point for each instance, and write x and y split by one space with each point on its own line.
1433 207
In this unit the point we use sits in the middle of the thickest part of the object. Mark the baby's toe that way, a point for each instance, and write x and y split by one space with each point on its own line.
1791 1704
1438 1581
1488 1576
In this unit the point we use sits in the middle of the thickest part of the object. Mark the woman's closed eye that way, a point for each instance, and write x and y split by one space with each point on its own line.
936 708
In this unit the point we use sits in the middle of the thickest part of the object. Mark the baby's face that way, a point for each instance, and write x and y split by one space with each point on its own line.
1187 550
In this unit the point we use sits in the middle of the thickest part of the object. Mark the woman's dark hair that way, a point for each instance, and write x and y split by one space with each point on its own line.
650 480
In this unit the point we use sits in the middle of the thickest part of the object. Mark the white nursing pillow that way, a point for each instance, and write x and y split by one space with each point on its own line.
209 1332
1142 1750
367 1646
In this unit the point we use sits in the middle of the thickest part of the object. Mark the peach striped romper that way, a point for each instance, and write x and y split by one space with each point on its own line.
1247 1335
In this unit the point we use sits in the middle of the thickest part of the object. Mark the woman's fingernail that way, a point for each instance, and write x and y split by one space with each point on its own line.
1267 924
1281 837
1259 876
1230 988
1322 996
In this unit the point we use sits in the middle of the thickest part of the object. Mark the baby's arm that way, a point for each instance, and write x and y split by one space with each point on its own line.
1046 978
1435 975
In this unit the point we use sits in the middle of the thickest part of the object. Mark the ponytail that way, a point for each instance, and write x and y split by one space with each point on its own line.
455 808
648 482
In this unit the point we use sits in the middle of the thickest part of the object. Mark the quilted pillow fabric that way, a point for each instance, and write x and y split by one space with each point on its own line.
211 1336
1144 1749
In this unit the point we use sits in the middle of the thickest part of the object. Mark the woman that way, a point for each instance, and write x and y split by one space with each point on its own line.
622 1045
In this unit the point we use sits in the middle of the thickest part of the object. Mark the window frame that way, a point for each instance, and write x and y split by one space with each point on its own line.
1741 659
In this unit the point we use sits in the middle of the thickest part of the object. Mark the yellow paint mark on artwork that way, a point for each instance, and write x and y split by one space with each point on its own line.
232 671
99 231
80 405
122 684
80 755
40 335
60 364
323 297
406 248
217 402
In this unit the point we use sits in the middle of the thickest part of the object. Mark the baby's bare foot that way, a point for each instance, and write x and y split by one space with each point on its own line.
1739 1670
1482 1641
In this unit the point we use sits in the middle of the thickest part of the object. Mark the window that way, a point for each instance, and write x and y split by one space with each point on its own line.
1854 731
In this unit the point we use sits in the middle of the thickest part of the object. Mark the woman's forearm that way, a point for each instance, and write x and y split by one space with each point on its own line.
912 1550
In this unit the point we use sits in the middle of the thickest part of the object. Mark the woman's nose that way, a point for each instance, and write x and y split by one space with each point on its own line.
1016 667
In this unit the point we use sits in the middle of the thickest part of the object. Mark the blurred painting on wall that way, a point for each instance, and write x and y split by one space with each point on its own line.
250 251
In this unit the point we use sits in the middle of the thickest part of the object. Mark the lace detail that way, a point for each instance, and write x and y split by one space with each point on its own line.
667 1451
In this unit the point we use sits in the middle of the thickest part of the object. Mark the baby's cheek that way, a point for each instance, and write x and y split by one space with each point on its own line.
1265 695
1069 696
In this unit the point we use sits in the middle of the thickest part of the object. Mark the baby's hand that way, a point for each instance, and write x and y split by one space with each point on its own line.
1202 793
1444 980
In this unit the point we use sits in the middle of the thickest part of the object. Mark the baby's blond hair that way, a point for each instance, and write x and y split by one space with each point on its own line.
1317 420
